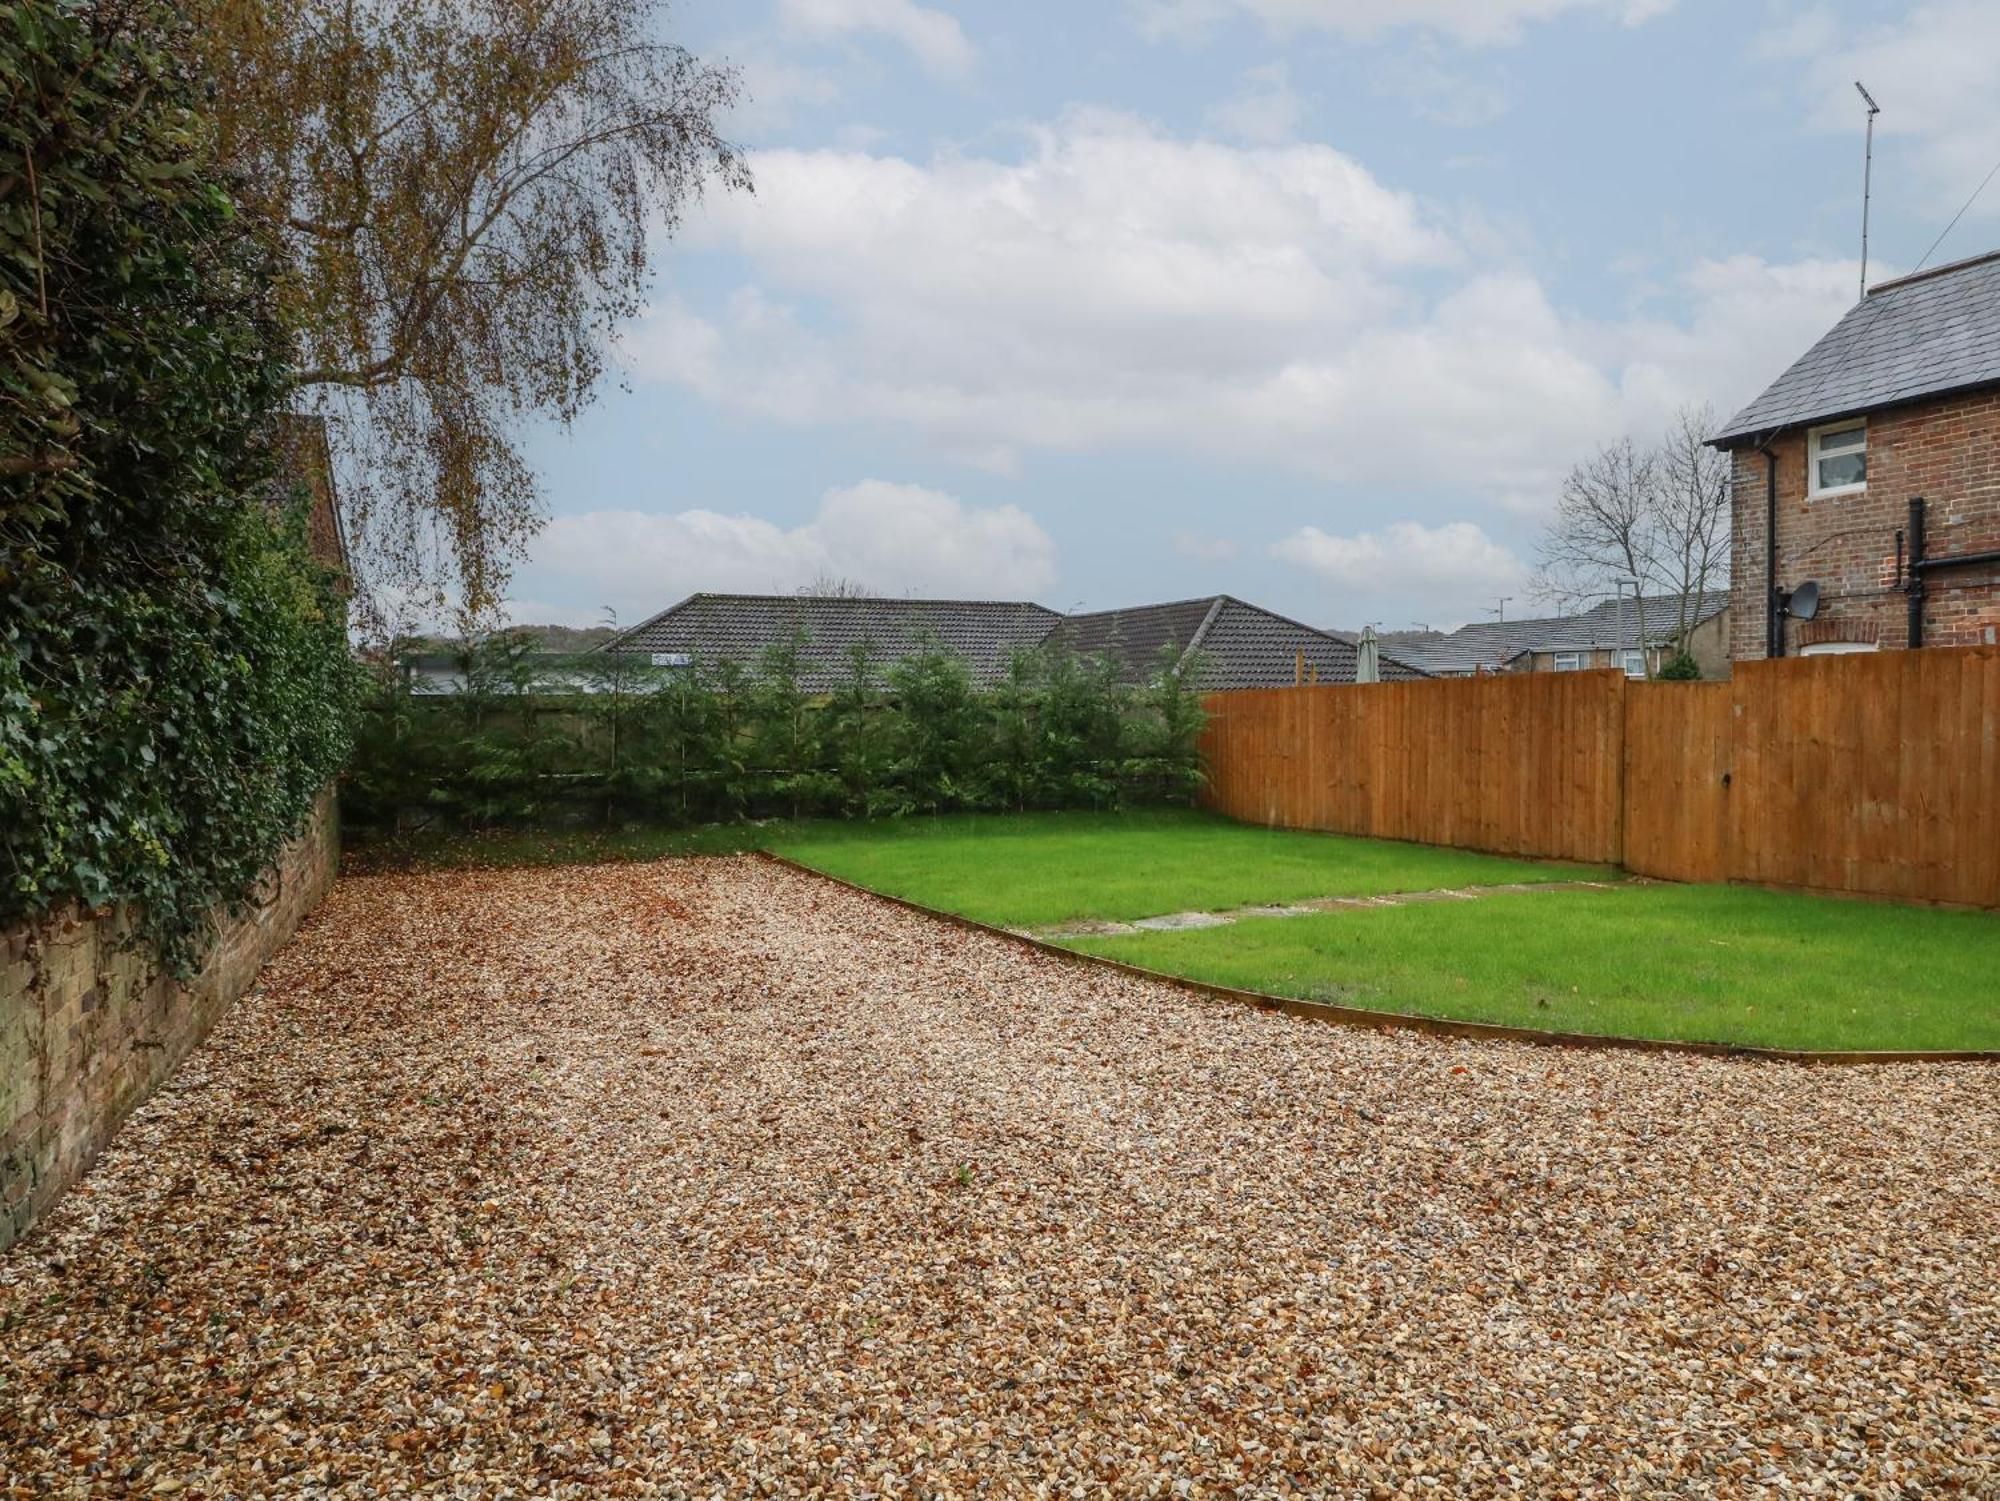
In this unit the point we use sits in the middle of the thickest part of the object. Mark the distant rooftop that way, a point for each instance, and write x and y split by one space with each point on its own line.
1491 643
1235 644
1921 335
985 633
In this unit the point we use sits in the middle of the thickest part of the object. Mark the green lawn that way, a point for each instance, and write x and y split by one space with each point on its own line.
1039 869
1696 963
1021 870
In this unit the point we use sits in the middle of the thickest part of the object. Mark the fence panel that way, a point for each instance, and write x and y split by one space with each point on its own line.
1523 764
1876 774
1678 779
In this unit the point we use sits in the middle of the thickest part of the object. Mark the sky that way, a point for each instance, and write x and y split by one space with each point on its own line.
1309 301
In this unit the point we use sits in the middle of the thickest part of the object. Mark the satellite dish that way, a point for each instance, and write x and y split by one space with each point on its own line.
1803 602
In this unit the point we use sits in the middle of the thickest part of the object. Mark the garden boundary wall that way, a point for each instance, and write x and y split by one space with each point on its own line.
89 1027
1869 774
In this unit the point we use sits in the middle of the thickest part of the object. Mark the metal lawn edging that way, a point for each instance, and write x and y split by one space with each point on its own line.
1396 1021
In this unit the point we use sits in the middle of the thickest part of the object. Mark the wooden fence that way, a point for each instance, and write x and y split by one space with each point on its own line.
1875 774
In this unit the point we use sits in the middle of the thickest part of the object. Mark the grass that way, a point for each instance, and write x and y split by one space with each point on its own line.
1037 870
1693 963
1021 870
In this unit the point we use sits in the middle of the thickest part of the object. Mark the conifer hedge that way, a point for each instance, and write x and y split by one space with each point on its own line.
523 745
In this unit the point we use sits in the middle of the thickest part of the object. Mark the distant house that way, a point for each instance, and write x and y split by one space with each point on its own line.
1605 636
1230 644
1871 468
705 629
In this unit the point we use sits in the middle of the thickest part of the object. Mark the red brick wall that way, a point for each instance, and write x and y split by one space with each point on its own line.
1947 451
88 1028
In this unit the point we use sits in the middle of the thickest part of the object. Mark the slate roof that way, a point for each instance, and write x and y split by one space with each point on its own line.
740 627
1491 643
1236 644
1921 335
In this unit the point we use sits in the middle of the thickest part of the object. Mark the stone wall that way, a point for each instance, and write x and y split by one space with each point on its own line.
89 1028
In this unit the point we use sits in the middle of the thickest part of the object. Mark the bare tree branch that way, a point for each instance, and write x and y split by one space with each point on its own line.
1657 514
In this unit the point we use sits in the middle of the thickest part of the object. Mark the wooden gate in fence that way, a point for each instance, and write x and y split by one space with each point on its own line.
1875 774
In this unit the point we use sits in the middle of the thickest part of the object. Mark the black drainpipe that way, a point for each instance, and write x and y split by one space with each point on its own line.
1774 618
1915 585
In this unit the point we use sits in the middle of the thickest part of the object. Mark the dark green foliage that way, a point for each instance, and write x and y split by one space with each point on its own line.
936 754
1680 668
174 679
857 735
683 746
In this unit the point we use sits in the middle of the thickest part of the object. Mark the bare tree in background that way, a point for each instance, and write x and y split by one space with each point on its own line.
471 192
833 586
1693 522
1658 514
1604 528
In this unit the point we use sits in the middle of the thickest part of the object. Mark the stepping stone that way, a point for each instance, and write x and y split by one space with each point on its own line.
1093 929
1175 922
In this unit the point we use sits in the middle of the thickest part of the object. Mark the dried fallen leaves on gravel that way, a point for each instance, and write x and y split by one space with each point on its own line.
705 1177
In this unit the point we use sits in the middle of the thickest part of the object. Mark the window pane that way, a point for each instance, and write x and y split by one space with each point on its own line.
1836 470
1843 442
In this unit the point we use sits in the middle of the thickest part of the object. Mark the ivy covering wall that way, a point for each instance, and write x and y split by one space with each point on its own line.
174 680
532 741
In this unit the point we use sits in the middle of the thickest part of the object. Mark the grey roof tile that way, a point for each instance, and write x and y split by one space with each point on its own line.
1922 335
1236 644
740 628
1490 643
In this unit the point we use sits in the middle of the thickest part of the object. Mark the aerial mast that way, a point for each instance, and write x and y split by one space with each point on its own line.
1867 171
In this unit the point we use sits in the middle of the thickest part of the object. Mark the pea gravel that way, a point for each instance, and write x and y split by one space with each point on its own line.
710 1178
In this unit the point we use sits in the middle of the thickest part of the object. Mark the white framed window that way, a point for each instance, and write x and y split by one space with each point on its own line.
1837 648
672 659
1837 459
1567 661
1634 661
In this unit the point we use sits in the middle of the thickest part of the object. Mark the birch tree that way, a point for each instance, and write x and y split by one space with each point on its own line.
471 194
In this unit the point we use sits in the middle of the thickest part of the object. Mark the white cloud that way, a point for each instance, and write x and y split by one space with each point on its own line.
1274 306
1265 110
1472 22
1444 571
776 90
1935 70
934 39
1748 320
1113 284
894 538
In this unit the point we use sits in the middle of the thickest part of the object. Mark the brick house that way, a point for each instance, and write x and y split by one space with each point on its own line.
1872 468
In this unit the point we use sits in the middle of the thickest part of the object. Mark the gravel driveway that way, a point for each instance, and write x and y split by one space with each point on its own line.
705 1178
